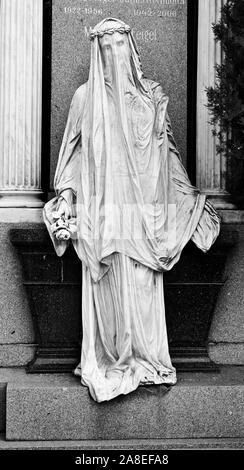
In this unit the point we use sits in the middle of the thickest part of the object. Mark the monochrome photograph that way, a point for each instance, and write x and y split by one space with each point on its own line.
122 231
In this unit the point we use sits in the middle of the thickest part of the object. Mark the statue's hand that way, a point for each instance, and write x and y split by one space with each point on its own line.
63 235
63 209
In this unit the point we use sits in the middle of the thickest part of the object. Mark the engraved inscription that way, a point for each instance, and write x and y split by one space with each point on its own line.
139 2
165 9
139 35
83 11
167 5
162 14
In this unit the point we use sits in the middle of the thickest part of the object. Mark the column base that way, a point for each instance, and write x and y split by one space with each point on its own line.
33 198
220 200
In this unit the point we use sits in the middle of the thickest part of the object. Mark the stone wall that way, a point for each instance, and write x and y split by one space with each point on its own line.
16 327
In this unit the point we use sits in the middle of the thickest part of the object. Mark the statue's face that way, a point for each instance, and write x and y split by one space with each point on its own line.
115 51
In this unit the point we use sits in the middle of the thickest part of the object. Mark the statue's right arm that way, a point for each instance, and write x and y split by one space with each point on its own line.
65 180
65 177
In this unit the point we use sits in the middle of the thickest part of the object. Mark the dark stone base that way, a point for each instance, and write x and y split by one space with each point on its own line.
61 360
53 288
53 360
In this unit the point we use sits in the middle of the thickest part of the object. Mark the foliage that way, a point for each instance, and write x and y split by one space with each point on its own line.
226 98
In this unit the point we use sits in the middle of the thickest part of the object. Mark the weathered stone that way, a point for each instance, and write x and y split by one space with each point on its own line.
226 353
15 319
16 355
228 323
199 406
226 336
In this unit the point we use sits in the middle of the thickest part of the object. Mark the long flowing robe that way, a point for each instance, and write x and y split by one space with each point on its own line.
136 210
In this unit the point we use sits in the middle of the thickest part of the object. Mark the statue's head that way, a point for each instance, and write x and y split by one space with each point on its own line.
109 26
114 45
118 50
112 35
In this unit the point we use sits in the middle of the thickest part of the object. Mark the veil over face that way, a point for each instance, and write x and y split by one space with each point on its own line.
133 195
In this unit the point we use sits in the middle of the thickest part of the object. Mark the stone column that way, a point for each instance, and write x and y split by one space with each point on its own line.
211 166
20 102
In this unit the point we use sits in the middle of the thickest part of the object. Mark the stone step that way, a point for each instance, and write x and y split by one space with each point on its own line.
125 444
56 407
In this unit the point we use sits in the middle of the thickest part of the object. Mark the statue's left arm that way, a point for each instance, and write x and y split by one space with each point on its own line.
208 226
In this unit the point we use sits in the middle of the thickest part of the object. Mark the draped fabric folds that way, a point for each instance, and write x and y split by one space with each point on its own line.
136 210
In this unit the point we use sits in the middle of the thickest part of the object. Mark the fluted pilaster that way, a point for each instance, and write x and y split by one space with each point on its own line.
211 166
20 102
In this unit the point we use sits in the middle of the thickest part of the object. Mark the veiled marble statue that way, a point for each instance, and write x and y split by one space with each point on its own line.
123 198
